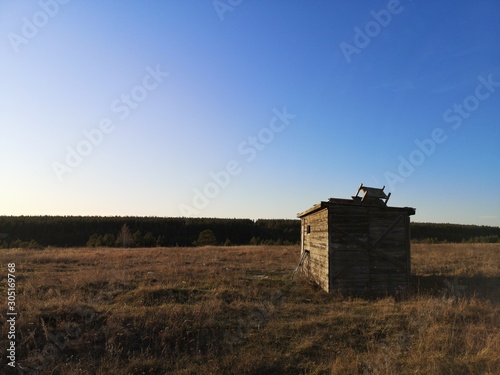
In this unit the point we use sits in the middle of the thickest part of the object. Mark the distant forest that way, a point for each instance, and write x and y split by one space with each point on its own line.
441 233
77 231
66 231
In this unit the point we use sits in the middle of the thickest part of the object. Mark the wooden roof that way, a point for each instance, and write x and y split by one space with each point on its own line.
332 202
372 197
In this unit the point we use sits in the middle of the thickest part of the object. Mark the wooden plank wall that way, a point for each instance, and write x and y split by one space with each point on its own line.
338 261
354 269
349 263
316 265
387 277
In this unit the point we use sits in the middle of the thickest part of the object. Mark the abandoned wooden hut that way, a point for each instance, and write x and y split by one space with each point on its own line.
358 245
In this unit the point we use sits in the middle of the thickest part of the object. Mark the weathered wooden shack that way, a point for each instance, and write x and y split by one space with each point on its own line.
358 245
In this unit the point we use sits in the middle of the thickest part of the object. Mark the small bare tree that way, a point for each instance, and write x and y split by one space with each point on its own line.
124 237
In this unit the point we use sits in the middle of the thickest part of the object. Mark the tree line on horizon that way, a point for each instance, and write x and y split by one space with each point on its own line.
78 231
96 231
455 233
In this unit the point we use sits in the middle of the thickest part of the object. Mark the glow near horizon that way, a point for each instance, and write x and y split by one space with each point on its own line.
359 116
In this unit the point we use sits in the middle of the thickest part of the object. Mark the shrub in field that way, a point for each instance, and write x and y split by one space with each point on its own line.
206 238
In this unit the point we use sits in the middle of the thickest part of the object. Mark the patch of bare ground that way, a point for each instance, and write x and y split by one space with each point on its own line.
235 310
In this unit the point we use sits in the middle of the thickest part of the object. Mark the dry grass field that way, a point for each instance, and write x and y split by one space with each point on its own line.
235 310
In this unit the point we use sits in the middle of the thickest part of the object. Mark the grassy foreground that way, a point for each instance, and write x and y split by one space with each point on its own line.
235 310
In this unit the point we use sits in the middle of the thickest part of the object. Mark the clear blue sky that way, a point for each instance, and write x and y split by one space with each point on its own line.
258 109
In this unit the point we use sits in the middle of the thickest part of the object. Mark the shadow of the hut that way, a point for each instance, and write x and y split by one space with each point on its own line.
486 288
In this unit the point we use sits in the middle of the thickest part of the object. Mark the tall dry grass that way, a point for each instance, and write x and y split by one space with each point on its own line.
235 310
